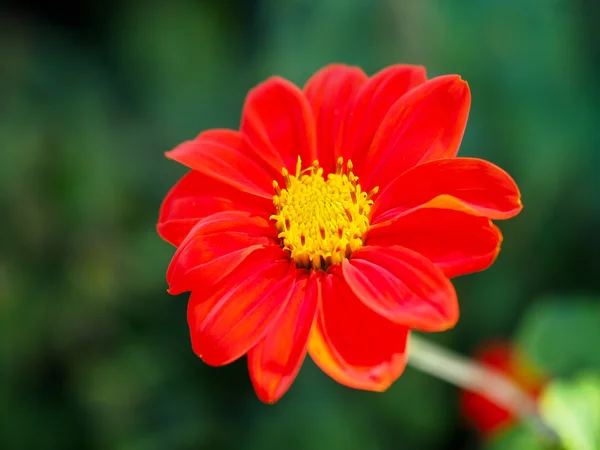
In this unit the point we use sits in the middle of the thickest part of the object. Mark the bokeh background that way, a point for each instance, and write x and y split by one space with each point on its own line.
94 354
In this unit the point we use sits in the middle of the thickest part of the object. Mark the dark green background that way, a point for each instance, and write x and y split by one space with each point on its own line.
94 354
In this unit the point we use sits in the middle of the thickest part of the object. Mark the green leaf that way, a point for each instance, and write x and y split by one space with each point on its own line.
572 408
561 335
518 438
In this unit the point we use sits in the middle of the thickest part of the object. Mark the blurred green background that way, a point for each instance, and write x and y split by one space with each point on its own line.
94 354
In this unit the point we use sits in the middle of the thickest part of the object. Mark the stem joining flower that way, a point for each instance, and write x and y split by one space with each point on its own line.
321 221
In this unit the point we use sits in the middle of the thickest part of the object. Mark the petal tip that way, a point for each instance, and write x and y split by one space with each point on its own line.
382 386
267 399
519 205
173 153
457 84
463 85
171 291
278 80
269 395
450 323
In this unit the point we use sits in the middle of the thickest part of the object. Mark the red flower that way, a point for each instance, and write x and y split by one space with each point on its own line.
486 416
330 222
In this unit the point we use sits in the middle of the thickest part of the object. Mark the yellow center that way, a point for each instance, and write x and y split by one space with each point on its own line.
321 221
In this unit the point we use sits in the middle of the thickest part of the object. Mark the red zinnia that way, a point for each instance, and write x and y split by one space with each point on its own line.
330 223
485 415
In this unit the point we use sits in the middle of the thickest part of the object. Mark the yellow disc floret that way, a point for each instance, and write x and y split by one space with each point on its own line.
321 221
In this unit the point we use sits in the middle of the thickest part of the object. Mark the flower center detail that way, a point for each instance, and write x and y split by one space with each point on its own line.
321 220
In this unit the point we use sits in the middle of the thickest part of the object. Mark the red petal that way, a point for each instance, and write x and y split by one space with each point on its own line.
402 286
488 417
427 123
354 345
483 413
237 315
278 122
468 184
370 106
217 245
456 242
329 92
275 362
226 156
196 196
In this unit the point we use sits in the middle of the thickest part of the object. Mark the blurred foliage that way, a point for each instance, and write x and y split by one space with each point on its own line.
561 335
572 408
519 438
95 354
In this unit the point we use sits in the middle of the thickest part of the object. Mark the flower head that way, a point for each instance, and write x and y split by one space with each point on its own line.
486 416
330 223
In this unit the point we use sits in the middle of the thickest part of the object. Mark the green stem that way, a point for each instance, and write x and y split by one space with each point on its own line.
470 375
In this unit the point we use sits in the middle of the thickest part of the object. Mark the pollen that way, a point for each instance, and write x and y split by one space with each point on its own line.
321 220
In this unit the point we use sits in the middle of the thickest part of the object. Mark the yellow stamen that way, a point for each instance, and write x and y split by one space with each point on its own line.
339 165
286 177
276 188
321 220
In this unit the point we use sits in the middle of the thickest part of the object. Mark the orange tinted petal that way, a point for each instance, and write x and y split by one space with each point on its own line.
354 345
196 196
456 242
480 186
402 286
217 245
278 122
427 123
237 315
329 92
276 360
227 157
370 106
